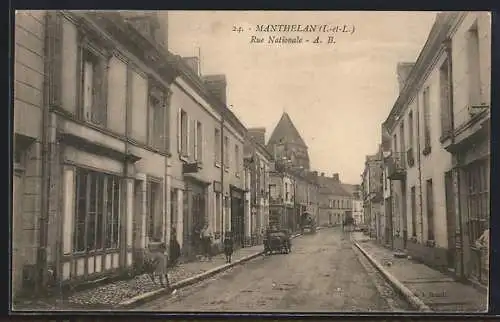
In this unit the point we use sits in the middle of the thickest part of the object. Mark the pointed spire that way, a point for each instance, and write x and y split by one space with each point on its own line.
286 132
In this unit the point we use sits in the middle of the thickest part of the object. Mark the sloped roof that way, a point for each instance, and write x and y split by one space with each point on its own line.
286 132
351 188
332 187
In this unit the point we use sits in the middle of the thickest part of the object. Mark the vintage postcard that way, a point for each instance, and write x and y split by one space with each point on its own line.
251 161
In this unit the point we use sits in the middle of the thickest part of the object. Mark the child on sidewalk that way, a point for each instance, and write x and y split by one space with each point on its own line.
228 247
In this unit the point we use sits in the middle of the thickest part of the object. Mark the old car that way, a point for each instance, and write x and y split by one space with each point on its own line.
308 224
277 241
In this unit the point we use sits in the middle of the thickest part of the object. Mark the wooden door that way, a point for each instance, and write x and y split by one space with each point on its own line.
450 218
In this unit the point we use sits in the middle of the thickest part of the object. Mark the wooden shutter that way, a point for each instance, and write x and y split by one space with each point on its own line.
200 142
179 131
97 92
188 131
166 120
195 140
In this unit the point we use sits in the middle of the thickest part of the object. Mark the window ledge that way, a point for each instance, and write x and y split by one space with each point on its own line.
226 169
184 158
217 164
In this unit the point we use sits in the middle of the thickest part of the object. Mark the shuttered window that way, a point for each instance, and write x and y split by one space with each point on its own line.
93 71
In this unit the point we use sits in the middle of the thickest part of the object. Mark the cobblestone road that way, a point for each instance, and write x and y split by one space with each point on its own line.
322 274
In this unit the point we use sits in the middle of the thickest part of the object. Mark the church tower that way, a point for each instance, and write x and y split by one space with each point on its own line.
286 142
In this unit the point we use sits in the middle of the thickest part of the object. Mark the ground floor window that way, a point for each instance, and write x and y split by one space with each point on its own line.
153 192
97 211
477 177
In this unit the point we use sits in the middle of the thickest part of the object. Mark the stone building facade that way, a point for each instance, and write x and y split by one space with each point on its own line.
137 144
30 126
436 143
258 160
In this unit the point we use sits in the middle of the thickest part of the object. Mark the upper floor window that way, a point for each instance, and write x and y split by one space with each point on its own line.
93 84
198 141
237 159
427 120
226 152
217 147
444 94
402 136
410 130
182 133
473 65
157 118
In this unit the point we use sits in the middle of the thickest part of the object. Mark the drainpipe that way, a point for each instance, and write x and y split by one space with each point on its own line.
420 172
222 165
452 121
41 260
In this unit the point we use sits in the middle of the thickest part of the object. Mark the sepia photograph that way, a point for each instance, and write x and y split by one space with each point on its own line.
250 161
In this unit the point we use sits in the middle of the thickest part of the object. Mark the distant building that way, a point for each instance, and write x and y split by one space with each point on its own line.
335 203
258 161
290 177
356 202
373 210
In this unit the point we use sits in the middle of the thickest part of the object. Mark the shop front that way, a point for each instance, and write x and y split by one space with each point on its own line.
97 189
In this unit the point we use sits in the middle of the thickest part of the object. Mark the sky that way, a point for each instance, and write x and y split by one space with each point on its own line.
337 95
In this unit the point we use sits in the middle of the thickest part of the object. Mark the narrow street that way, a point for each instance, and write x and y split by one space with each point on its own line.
323 273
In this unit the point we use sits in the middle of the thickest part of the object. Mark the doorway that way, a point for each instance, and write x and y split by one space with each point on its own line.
404 214
450 218
237 218
388 222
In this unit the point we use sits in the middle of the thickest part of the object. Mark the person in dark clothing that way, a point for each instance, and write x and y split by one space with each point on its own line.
175 250
228 247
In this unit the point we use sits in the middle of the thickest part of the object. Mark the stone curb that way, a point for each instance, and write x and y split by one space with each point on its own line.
414 300
137 300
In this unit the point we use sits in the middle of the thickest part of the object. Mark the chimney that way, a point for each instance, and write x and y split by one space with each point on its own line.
336 177
403 71
322 174
258 134
193 63
216 85
153 25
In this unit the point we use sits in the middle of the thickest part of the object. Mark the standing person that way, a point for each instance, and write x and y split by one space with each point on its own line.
228 247
483 243
159 258
206 240
175 249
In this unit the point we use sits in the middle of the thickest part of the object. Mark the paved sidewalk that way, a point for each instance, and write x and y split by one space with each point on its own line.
440 292
112 294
